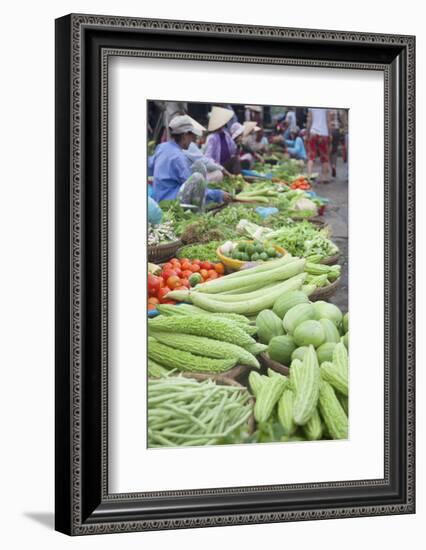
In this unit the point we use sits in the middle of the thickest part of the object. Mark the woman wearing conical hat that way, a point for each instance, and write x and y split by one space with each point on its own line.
220 146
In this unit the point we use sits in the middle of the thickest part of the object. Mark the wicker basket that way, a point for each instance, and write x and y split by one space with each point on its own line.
235 265
315 221
269 363
231 374
325 291
331 260
162 252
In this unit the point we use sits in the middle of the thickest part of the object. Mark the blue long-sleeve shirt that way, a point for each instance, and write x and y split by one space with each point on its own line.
296 148
170 169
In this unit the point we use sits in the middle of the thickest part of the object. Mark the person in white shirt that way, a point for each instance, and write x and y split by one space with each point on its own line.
318 141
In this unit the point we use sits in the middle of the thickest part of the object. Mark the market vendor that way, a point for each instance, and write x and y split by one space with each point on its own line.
295 145
169 165
220 146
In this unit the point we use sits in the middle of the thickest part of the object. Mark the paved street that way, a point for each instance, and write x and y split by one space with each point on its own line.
336 215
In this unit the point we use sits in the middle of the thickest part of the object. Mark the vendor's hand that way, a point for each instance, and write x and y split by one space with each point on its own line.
227 197
227 173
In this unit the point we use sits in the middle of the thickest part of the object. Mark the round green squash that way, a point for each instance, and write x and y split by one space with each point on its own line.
296 315
309 333
330 329
325 310
268 325
299 353
287 300
325 352
345 323
280 349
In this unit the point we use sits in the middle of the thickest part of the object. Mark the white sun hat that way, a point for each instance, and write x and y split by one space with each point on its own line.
236 130
182 124
198 126
219 116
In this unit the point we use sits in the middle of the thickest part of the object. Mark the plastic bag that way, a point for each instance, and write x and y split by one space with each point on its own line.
155 214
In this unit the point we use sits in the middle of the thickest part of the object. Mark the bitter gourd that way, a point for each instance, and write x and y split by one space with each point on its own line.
185 361
332 412
307 388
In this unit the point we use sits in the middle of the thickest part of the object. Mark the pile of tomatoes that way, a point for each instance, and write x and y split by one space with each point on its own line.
175 275
300 183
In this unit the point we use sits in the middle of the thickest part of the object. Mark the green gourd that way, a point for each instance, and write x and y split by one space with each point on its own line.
297 315
309 333
331 333
268 325
287 300
325 352
332 412
307 382
285 412
269 394
280 349
313 427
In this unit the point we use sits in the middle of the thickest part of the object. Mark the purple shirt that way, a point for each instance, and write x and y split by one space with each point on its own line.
213 146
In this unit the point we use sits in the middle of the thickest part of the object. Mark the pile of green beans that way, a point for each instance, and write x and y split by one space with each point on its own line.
185 412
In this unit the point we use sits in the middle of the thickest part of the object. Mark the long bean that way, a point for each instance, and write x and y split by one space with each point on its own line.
185 412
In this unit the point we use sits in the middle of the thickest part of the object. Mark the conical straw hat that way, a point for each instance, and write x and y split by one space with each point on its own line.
219 117
249 127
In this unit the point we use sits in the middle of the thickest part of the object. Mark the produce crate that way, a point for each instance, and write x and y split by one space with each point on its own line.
163 252
325 292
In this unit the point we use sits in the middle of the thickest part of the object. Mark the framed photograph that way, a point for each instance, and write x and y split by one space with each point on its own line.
225 196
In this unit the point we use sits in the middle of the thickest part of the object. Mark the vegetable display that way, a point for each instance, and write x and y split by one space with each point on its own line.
240 347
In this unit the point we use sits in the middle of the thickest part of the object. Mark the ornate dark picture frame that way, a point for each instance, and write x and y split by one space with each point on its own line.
84 43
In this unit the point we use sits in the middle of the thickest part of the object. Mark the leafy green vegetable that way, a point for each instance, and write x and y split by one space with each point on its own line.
205 252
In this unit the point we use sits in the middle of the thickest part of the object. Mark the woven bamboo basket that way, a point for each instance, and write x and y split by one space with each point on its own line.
325 292
331 260
162 252
269 363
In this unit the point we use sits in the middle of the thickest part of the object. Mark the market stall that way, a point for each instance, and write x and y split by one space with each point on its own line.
245 344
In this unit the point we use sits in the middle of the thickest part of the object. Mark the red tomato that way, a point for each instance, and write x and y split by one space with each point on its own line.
162 293
178 271
183 260
185 265
204 273
151 307
185 283
153 284
162 283
219 268
153 300
195 268
212 272
173 282
175 262
186 274
206 265
168 265
196 262
211 278
168 273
